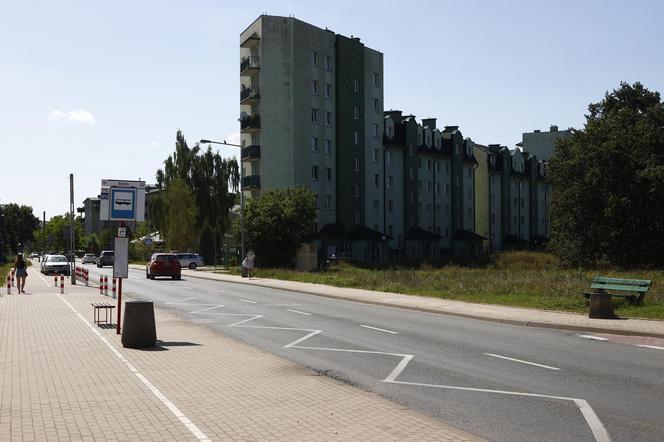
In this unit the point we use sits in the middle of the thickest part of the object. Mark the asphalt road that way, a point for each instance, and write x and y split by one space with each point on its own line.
501 382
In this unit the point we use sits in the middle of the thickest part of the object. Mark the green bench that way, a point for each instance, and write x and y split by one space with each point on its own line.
604 288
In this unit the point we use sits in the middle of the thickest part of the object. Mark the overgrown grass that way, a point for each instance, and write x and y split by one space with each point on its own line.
520 279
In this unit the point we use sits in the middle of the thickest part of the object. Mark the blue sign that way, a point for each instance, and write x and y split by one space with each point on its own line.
123 204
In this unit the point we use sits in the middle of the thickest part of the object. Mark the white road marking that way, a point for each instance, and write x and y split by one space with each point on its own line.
164 400
379 329
522 362
283 305
651 346
175 301
250 302
298 312
206 309
596 338
186 287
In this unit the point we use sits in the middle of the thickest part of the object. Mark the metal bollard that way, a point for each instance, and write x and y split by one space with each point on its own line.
62 284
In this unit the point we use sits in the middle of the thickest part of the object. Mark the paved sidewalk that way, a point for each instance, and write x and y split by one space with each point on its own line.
62 378
497 313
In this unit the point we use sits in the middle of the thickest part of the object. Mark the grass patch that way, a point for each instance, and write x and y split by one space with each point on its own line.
519 279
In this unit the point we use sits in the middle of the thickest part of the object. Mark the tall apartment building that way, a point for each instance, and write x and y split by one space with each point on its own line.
543 144
311 105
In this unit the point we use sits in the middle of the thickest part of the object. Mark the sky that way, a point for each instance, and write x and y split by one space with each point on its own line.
99 88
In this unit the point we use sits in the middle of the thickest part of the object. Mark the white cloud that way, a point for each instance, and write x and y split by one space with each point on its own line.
75 116
155 144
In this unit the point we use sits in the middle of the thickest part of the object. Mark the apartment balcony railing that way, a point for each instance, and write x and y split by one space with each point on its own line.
249 65
250 123
251 42
251 182
249 95
252 152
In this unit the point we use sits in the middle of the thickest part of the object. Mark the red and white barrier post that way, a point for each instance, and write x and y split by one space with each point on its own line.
114 290
105 285
101 285
9 285
62 284
86 276
55 280
12 275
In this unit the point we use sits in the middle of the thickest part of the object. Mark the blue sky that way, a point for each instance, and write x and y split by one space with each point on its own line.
99 88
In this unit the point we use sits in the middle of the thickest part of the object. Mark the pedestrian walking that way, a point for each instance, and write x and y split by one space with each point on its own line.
248 264
21 272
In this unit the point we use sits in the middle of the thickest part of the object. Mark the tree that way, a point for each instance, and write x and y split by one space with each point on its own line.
207 243
181 231
276 223
17 225
608 182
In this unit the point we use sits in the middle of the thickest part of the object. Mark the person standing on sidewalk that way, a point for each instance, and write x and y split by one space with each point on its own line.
248 264
21 272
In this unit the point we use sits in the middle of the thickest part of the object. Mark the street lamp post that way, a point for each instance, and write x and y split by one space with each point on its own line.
224 143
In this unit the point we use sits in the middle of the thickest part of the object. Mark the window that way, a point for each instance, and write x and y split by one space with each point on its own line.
357 191
411 174
390 132
522 203
375 130
447 232
412 197
437 209
314 87
389 182
521 219
456 149
470 192
314 58
389 230
374 206
357 164
357 217
356 137
316 201
314 144
493 218
328 91
375 179
328 146
428 210
428 186
356 112
419 210
419 186
328 118
388 157
447 210
389 206
419 163
411 151
428 164
328 201
328 63
412 220
314 173
314 115
328 174
374 155
436 166
446 189
470 172
470 214
376 79
376 104
447 167
356 85
437 188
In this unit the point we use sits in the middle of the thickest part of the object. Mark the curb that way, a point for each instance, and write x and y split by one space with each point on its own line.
455 314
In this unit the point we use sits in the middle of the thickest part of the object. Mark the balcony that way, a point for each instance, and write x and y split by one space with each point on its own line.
252 152
249 66
250 123
251 182
251 42
249 95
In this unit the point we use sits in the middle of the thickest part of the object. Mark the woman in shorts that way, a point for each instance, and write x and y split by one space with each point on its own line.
21 273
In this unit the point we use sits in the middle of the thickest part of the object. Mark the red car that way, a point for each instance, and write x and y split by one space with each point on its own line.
163 264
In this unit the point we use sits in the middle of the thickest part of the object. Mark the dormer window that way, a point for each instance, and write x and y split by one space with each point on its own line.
492 160
419 136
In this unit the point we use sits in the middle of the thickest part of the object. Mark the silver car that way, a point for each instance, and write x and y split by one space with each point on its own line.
56 264
89 258
190 260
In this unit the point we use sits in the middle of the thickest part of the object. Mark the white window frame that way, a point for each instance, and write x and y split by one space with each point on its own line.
356 112
314 87
314 144
314 115
328 118
314 172
314 58
327 145
356 137
328 90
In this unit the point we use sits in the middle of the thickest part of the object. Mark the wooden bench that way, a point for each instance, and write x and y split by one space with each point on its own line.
96 317
601 307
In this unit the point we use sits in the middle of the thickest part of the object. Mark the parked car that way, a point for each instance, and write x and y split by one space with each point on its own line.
89 258
106 258
163 264
34 255
56 264
43 260
191 260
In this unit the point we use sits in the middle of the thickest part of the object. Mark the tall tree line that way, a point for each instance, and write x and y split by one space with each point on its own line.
211 180
17 226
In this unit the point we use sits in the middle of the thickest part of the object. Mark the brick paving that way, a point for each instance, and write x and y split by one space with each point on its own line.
59 380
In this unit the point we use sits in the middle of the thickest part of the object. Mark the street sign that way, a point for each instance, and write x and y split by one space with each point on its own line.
122 200
123 204
121 258
122 232
148 242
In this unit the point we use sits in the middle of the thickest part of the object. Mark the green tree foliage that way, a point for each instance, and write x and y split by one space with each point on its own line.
55 236
206 243
276 224
212 179
181 231
608 182
17 226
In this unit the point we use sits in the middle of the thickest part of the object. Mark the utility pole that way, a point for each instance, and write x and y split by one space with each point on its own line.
43 245
72 271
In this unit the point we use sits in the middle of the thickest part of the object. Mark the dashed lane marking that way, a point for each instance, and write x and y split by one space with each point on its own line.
298 312
207 309
595 338
248 301
379 329
522 361
654 347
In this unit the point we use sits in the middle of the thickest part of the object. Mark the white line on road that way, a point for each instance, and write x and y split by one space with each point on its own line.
150 386
250 302
379 329
596 338
651 346
283 305
180 300
206 309
523 362
298 312
186 287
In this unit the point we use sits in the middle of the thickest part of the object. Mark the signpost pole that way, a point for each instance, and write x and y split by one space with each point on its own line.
71 229
117 327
